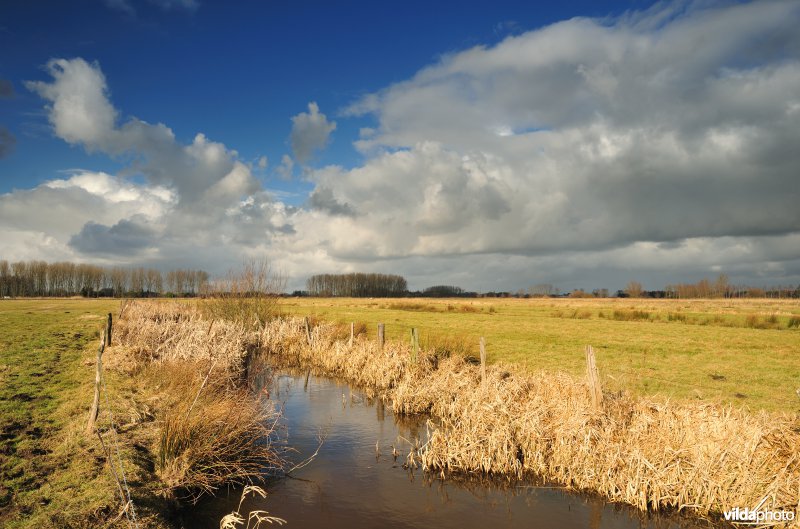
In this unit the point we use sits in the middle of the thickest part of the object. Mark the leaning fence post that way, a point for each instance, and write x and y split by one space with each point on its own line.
94 412
414 344
352 332
483 360
593 378
381 340
308 330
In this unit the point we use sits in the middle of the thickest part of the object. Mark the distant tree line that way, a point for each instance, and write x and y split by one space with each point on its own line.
445 291
357 285
62 279
722 288
380 285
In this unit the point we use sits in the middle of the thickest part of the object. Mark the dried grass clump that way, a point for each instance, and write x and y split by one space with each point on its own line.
652 453
166 331
254 518
210 435
285 343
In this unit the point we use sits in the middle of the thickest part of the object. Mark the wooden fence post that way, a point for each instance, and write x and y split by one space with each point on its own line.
95 411
308 330
108 330
483 360
414 344
381 339
352 332
593 378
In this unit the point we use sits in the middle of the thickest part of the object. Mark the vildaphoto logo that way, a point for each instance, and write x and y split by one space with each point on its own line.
758 516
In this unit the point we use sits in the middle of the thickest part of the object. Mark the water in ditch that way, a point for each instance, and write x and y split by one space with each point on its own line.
356 482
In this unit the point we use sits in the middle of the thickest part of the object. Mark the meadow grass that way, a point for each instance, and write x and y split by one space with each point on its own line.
51 473
744 352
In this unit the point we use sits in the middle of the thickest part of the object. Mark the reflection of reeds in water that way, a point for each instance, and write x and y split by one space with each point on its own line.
647 452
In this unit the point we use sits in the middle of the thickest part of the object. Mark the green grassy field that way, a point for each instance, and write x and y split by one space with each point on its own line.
52 474
44 392
744 352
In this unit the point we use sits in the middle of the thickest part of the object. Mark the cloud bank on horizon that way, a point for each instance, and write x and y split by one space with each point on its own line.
659 144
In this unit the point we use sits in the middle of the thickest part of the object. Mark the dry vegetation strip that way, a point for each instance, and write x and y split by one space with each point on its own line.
722 351
648 452
211 431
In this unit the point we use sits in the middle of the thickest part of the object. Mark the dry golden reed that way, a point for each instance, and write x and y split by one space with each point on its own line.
156 331
210 431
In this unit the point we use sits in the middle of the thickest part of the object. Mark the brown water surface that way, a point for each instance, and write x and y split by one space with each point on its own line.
350 484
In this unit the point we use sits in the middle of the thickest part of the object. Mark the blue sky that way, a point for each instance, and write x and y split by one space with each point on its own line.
238 71
493 146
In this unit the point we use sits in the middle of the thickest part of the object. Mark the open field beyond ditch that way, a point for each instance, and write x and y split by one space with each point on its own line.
744 352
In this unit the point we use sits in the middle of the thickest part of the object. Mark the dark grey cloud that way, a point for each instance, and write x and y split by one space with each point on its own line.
310 132
125 238
322 199
678 122
7 142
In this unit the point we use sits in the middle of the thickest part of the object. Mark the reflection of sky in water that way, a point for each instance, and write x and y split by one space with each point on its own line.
348 485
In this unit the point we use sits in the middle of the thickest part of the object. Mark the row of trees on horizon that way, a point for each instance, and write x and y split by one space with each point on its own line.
63 279
357 285
40 278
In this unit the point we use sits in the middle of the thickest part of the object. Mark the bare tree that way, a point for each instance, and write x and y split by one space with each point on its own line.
634 289
249 294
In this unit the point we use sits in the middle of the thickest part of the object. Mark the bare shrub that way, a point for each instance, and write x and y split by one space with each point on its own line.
249 295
